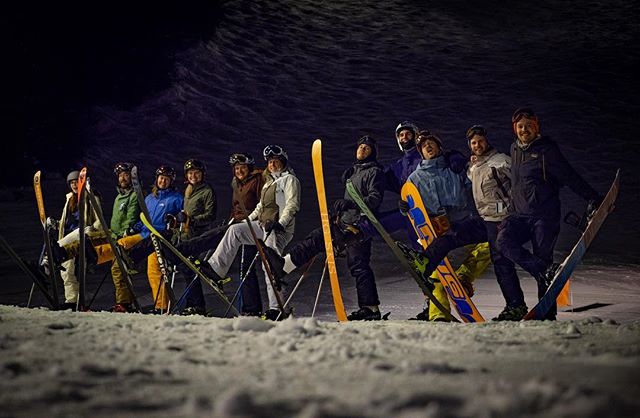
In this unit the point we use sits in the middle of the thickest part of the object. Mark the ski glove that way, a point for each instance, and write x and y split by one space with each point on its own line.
273 226
182 217
403 206
343 205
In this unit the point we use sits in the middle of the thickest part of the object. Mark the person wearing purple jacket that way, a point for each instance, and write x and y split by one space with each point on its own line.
538 171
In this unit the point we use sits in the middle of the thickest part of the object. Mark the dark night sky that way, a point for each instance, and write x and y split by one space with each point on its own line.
59 63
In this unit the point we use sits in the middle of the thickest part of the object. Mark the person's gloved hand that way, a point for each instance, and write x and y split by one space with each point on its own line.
403 207
182 217
343 205
273 226
130 231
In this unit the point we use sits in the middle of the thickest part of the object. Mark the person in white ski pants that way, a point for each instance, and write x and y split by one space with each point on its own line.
273 219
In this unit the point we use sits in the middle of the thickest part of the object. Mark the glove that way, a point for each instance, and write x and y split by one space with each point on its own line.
182 217
343 205
592 206
130 231
273 226
403 206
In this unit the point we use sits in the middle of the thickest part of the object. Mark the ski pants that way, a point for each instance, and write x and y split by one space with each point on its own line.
358 261
239 234
123 295
515 231
504 269
70 281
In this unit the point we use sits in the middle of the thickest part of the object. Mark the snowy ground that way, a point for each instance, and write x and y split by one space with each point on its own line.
100 364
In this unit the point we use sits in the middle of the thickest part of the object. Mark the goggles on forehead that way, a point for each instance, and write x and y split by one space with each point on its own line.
273 151
120 167
523 113
241 159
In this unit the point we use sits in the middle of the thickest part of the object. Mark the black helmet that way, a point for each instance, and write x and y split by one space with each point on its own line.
193 164
241 158
73 176
406 125
165 170
275 151
120 167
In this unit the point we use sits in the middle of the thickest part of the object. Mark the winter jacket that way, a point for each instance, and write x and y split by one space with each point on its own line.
443 191
126 212
71 221
279 199
166 201
246 191
201 206
491 181
369 180
538 171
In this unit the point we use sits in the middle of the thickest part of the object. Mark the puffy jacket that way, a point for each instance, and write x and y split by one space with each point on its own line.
538 171
166 201
201 206
491 181
126 212
247 191
443 191
368 178
279 199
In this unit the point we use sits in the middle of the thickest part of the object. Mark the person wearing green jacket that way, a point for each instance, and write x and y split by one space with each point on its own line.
126 213
198 215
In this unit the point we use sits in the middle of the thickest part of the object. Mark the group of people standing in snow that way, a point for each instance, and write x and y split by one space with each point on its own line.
490 203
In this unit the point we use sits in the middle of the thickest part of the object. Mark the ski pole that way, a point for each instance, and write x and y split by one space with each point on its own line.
304 273
315 304
33 286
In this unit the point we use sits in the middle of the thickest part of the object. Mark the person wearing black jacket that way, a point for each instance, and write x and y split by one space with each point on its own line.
367 176
538 171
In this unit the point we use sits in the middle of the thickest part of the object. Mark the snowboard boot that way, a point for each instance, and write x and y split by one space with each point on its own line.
122 308
418 262
422 316
364 314
512 313
274 315
193 310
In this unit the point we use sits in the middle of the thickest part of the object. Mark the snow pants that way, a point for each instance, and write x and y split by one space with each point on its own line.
358 261
70 281
239 234
123 295
504 269
515 231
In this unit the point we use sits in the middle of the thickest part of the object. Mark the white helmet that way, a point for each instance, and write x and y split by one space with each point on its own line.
406 125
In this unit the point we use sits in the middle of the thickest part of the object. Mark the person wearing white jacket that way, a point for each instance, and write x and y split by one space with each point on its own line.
490 175
273 219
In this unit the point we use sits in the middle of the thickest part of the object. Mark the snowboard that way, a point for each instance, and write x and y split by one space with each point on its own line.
575 256
316 156
398 252
446 274
188 263
157 248
95 205
53 270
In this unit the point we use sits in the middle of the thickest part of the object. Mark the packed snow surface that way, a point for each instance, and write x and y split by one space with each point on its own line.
61 364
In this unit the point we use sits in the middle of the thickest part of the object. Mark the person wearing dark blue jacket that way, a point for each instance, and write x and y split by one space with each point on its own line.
367 177
538 171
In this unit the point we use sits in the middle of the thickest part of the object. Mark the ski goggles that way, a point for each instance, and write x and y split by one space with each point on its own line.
120 167
523 112
241 159
273 151
422 138
476 130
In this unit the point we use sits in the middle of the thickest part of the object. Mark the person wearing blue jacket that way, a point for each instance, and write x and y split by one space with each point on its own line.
538 171
446 194
163 200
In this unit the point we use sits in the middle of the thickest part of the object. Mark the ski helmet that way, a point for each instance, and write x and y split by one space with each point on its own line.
193 164
165 170
275 151
241 158
406 125
122 167
73 176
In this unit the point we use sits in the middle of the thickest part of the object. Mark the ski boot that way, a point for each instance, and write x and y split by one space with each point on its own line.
193 310
274 315
276 265
206 269
512 313
121 308
364 314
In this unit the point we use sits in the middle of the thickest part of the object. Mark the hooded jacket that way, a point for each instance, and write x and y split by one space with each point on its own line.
246 191
538 171
491 181
368 178
160 203
279 199
443 191
126 212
